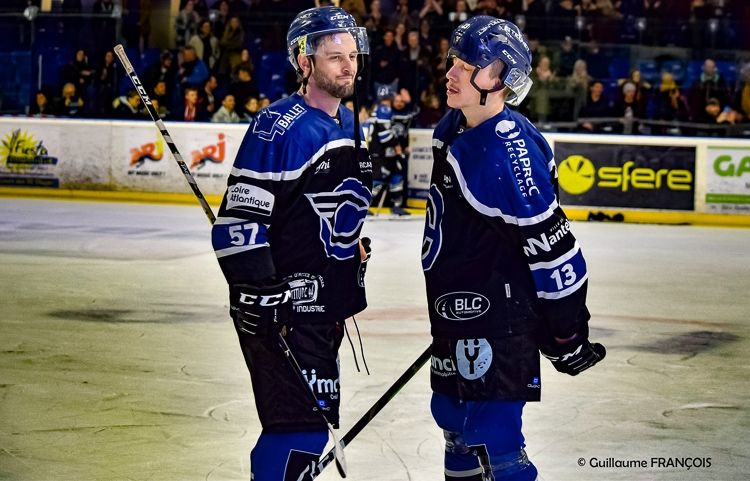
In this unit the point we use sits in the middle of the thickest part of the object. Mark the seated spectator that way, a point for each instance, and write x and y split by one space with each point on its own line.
161 71
43 105
77 71
741 101
191 110
193 71
264 101
710 84
671 106
252 107
244 87
206 45
161 109
207 97
245 62
126 107
597 106
714 115
642 88
71 104
159 93
186 24
627 108
226 113
375 23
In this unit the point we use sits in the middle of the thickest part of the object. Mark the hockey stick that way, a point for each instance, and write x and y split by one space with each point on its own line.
120 52
313 470
338 447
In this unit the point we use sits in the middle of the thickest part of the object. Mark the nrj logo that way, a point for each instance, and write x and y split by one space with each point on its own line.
153 151
19 151
210 153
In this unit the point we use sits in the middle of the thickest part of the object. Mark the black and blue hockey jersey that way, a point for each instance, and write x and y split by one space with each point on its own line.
498 255
294 208
383 140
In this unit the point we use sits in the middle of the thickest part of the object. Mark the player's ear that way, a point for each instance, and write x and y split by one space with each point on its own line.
304 63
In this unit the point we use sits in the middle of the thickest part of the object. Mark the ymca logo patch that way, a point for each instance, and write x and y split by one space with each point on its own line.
473 357
342 213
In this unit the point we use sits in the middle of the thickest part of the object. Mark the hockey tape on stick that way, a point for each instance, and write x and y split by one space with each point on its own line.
120 52
313 471
338 446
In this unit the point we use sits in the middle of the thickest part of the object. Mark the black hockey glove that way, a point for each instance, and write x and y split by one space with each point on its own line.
363 265
576 355
261 311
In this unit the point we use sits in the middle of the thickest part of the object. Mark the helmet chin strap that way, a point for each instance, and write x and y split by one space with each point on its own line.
301 73
483 92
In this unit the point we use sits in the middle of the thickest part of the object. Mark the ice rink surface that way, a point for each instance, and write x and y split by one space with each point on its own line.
118 360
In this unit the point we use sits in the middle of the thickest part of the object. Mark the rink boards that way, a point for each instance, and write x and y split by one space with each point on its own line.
601 177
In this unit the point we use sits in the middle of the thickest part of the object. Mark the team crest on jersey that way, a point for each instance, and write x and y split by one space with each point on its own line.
269 123
342 213
507 129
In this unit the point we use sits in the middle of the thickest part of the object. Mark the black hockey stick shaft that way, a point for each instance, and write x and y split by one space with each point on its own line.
329 457
120 52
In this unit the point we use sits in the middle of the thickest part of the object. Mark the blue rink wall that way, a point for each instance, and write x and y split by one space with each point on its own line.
602 177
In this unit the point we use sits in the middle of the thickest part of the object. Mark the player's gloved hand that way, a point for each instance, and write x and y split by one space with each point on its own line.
261 311
363 264
576 355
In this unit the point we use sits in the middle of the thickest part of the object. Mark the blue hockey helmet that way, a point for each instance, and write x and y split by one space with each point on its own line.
313 23
481 40
385 92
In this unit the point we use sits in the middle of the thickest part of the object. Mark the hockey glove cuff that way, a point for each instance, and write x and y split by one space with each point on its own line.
576 355
261 311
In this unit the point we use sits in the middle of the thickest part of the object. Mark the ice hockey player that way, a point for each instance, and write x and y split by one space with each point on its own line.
386 152
505 277
404 113
287 241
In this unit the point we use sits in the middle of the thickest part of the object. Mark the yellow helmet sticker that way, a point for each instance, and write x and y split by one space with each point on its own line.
303 45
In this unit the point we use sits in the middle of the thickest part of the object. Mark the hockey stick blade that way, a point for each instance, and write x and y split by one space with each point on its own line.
314 469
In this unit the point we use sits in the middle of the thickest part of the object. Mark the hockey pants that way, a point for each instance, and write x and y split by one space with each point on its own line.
283 457
483 439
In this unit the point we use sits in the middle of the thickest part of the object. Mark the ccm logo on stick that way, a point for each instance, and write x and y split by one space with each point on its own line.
460 306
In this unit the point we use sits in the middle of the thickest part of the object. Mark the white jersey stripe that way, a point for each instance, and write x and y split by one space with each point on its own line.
568 255
236 250
565 292
294 174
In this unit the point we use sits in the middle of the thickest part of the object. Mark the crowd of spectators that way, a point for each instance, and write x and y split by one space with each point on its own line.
210 75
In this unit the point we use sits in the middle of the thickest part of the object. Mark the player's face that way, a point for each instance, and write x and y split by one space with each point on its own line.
461 94
336 65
